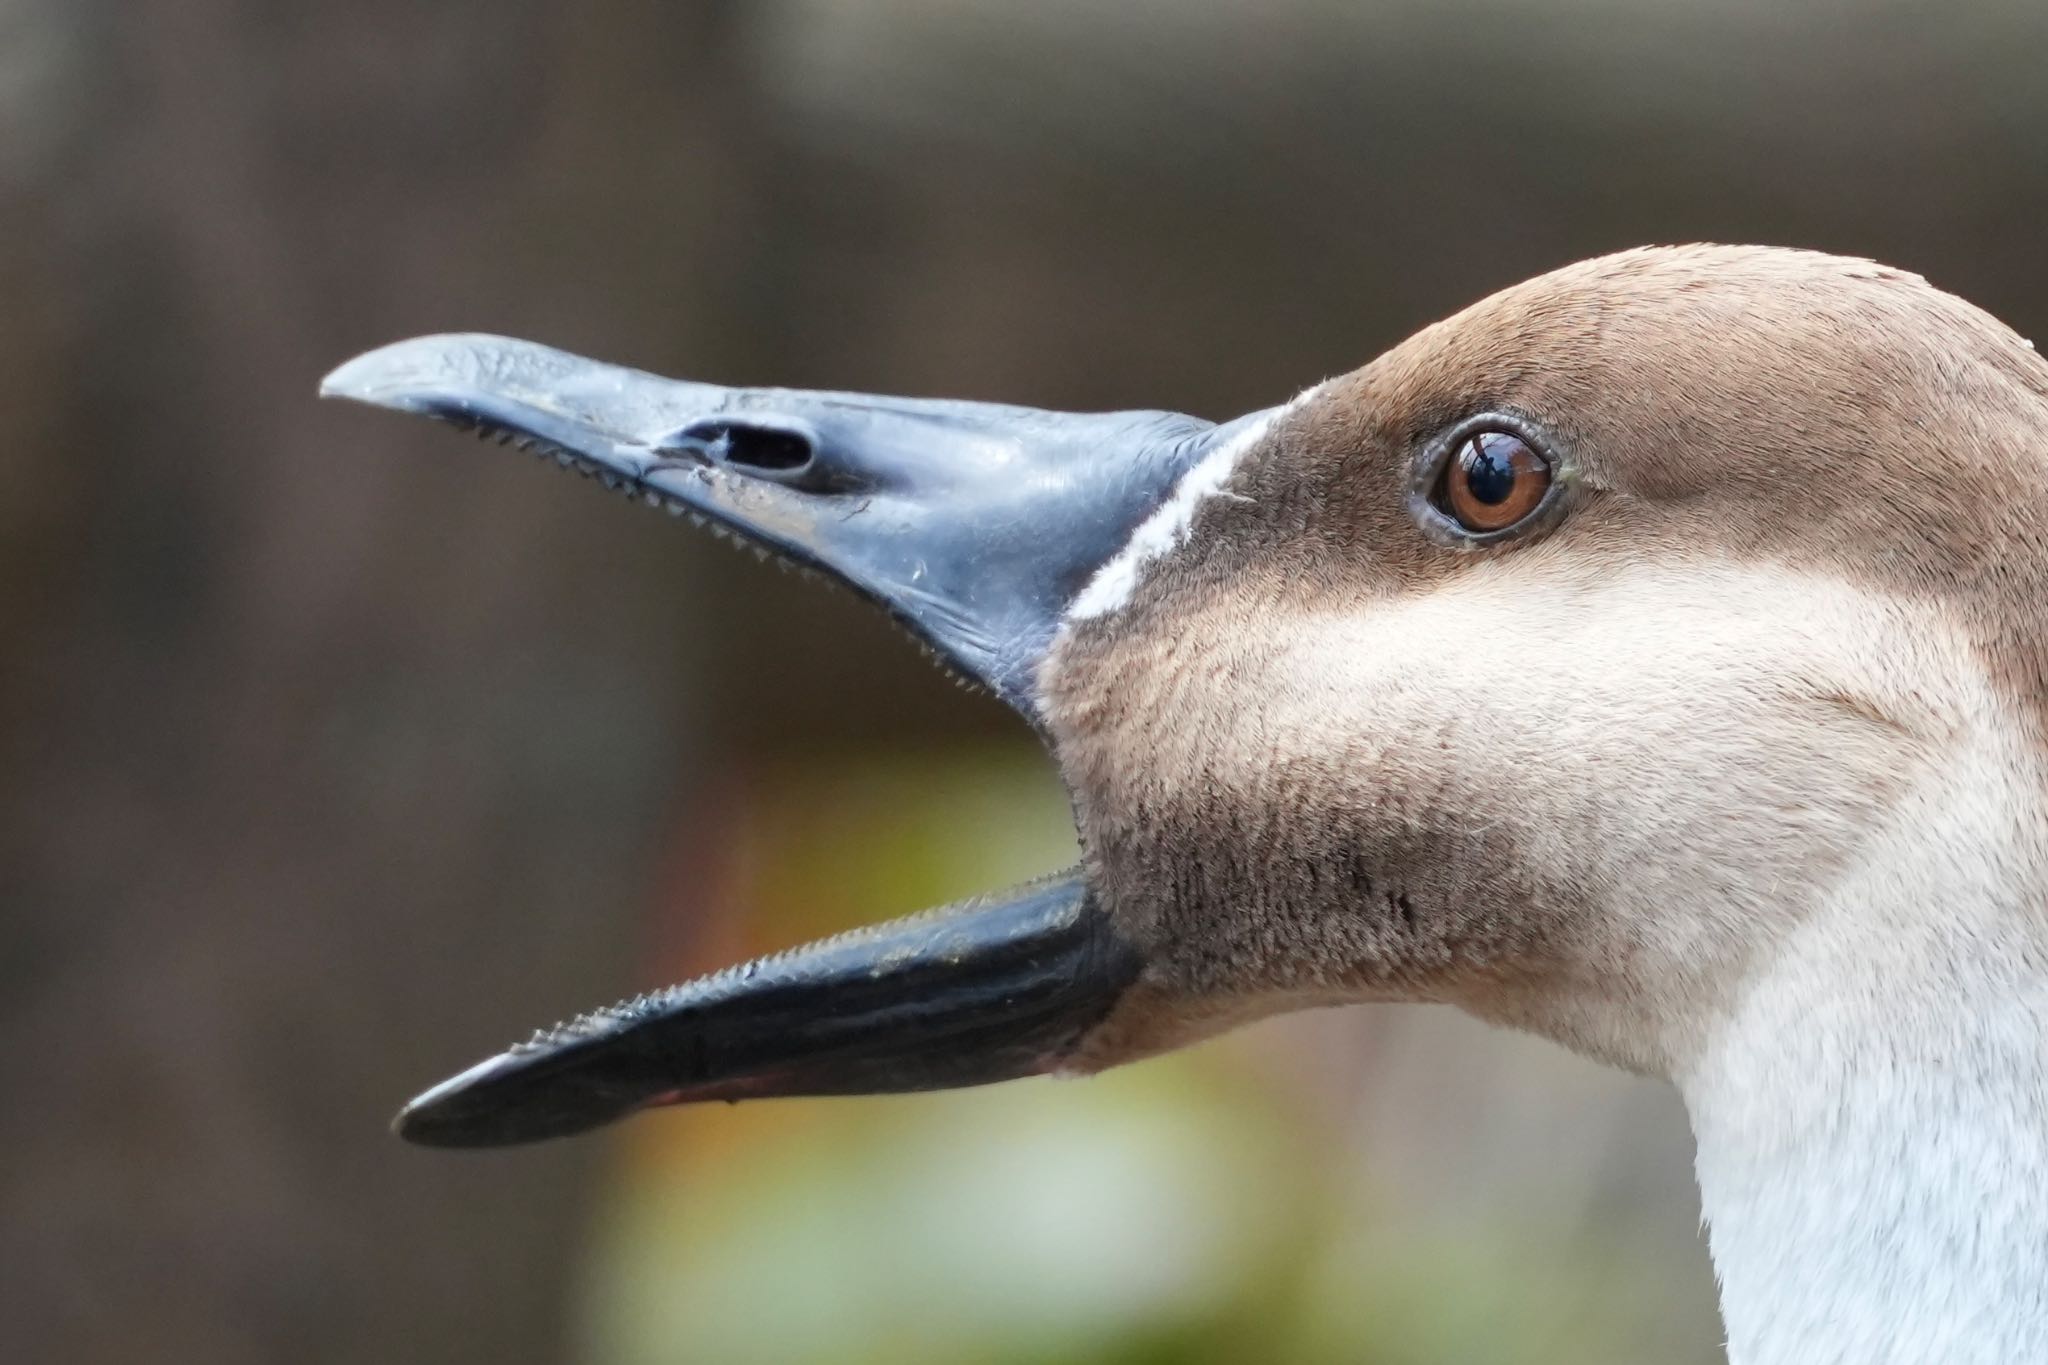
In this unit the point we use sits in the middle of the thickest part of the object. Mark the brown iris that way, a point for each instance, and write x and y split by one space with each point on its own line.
1492 481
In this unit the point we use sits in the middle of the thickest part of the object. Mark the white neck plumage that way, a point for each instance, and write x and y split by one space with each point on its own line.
1872 1114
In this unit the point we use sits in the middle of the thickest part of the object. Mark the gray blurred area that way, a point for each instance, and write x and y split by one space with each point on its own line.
338 749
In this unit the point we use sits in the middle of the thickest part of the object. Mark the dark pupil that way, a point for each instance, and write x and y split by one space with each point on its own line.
1490 467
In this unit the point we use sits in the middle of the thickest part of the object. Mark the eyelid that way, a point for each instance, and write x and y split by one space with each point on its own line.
1428 466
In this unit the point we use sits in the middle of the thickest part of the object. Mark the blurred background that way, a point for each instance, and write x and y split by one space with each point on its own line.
339 751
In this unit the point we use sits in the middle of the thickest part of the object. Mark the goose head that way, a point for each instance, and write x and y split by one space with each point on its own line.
1559 663
1564 663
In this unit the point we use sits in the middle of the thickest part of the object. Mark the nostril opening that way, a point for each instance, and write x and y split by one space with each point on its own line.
771 449
768 449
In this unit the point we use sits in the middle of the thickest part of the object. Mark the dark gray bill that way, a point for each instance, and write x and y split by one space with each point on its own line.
974 524
984 991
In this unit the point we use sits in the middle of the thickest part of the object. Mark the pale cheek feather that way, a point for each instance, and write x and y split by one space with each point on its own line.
1699 741
1859 1037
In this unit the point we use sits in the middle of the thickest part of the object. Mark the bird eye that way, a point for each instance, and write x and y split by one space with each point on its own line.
1493 480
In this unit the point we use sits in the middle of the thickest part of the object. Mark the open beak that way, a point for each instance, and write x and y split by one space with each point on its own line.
964 995
974 525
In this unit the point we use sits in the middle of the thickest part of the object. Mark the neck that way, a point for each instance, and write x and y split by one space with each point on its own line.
1872 1115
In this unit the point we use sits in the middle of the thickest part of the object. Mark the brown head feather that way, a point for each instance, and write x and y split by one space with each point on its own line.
1577 779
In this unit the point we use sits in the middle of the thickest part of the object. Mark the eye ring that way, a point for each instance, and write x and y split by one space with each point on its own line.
1491 477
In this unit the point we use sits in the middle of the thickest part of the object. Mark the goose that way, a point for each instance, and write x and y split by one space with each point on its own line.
1648 656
